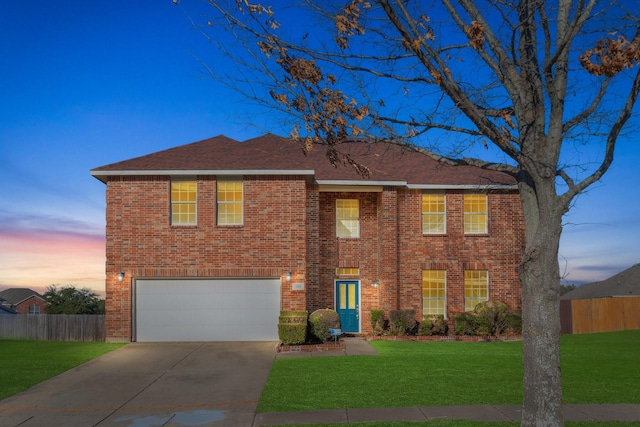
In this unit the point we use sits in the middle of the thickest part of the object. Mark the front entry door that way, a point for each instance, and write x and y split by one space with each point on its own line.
348 305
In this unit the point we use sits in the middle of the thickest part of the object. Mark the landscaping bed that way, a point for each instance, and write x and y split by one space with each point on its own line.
307 347
448 338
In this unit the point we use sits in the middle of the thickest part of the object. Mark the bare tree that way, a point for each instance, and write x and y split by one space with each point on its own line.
524 87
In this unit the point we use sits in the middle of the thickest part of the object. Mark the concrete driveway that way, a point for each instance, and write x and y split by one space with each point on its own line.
151 384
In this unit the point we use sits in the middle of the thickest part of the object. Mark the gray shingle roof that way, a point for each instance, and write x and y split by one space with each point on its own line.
626 283
271 153
16 295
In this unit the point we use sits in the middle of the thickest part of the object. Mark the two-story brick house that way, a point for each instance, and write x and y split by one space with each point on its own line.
210 240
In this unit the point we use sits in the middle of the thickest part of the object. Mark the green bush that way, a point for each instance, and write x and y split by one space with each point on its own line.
494 315
320 321
402 322
292 334
292 327
377 321
425 328
296 317
490 318
440 326
513 322
465 323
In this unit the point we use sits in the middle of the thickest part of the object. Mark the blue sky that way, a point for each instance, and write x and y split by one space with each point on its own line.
85 84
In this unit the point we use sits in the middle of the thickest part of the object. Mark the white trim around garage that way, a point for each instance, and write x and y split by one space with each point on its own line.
212 309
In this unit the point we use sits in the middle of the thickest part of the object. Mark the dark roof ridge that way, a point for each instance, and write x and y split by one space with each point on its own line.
274 154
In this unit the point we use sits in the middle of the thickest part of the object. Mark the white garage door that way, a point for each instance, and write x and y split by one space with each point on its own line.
207 310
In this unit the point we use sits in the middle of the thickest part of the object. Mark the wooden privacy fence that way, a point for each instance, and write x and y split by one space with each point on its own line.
53 327
584 316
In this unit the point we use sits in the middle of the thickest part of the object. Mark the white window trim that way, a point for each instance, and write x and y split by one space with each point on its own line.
356 274
485 213
444 299
357 234
444 214
218 202
195 203
478 300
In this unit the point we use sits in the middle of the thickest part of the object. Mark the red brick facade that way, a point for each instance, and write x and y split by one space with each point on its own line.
23 307
289 225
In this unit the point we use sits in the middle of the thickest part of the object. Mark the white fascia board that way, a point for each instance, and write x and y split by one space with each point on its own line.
328 186
362 183
233 172
463 186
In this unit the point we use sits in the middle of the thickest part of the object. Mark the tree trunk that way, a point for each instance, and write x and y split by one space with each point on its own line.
540 280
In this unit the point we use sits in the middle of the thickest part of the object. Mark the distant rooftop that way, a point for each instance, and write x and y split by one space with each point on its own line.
16 295
626 283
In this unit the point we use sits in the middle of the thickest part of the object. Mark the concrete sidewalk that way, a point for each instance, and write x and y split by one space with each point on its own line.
488 413
493 413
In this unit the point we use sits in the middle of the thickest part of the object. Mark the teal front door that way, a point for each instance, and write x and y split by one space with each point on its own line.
348 305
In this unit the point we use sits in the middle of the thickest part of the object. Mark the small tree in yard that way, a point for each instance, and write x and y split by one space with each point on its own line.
69 300
537 89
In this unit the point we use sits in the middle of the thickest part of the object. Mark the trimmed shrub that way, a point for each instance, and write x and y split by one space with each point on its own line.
425 328
493 314
513 322
465 323
402 322
377 321
490 318
440 326
292 334
320 321
292 327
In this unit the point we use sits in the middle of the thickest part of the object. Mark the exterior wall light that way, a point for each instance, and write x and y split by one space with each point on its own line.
287 276
121 276
376 283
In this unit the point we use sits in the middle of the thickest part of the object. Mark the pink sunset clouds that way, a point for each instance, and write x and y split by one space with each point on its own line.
37 258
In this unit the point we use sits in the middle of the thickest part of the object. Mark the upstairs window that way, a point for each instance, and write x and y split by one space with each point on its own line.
433 214
434 293
475 213
230 202
34 309
347 218
476 288
183 202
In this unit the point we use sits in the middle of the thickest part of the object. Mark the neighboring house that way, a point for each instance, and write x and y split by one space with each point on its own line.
609 305
6 307
210 240
624 284
24 300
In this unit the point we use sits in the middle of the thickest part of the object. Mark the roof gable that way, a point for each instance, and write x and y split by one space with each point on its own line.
18 295
271 154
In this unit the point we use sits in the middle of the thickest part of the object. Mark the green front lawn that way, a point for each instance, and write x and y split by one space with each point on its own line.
25 363
597 368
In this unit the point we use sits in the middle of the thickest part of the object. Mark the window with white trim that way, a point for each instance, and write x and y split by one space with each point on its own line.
34 309
348 218
476 288
475 213
434 213
230 202
347 271
434 293
183 202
